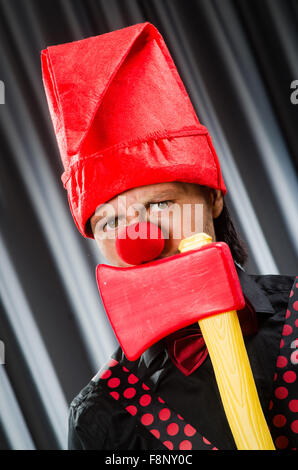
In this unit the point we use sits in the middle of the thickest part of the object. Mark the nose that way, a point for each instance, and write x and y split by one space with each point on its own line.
139 243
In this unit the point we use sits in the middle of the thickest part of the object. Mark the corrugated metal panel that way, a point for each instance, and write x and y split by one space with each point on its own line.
238 60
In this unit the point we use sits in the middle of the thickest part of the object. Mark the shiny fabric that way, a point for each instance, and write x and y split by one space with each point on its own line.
123 118
96 421
187 348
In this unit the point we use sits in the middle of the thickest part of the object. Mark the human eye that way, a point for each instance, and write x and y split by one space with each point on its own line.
159 206
111 224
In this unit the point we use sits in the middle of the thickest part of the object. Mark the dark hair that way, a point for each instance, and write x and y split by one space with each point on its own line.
225 231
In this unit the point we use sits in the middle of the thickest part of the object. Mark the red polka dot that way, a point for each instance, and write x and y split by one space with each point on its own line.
295 305
288 314
115 395
294 426
161 400
214 448
270 405
282 442
155 433
281 361
296 322
287 330
282 343
293 405
289 376
281 392
279 421
294 357
189 430
132 379
145 400
147 419
180 417
113 383
145 387
275 377
125 369
206 441
106 374
172 429
185 445
168 444
129 392
112 363
291 293
132 409
164 414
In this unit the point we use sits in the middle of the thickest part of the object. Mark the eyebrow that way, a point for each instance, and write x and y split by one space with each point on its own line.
158 195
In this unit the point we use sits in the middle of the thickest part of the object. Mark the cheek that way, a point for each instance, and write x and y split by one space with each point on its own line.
208 223
173 228
103 246
108 250
186 220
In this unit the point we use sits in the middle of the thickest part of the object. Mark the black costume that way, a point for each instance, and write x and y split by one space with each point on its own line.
149 404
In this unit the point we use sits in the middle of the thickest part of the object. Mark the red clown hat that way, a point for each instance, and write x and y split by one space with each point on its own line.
123 118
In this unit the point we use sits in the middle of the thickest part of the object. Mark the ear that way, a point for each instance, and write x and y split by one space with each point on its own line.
217 202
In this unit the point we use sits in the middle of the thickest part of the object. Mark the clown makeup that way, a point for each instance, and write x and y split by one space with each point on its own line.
179 209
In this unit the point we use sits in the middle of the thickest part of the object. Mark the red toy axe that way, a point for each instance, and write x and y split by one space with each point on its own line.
149 301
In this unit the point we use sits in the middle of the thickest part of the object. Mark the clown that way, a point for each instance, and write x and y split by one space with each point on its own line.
127 131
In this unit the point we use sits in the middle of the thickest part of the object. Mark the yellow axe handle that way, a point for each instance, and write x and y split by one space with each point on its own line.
224 340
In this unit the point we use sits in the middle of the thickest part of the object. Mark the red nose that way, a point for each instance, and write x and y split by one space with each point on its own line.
140 242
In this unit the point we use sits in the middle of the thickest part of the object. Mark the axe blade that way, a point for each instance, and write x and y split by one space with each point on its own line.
147 302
